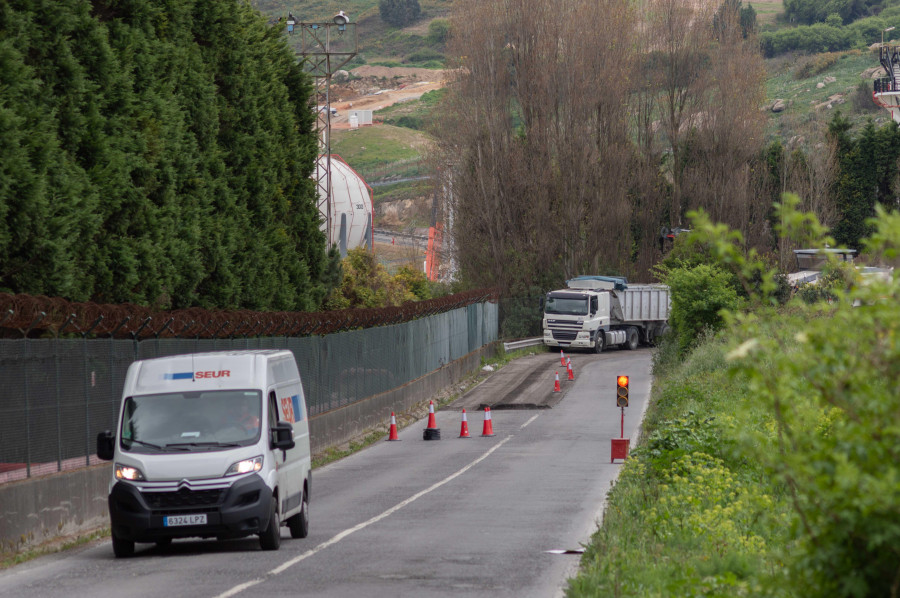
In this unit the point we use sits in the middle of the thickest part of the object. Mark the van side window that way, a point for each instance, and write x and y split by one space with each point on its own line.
273 409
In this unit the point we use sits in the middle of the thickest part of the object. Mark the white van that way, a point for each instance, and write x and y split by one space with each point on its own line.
209 445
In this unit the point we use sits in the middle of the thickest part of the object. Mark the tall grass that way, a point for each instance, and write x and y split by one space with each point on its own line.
691 515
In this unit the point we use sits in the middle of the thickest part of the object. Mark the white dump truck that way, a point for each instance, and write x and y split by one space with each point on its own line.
596 312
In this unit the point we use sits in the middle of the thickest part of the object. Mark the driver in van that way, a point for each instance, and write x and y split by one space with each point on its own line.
248 421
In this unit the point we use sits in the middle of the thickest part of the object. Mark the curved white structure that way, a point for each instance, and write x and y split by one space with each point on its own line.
352 205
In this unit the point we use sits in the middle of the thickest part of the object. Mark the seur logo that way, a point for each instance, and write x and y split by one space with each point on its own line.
197 375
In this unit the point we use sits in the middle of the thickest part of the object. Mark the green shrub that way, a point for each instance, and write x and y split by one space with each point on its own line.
399 13
425 55
699 295
833 390
410 122
812 39
438 31
816 65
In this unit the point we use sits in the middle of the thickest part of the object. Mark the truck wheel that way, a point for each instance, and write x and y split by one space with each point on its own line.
270 538
631 339
122 548
299 523
601 342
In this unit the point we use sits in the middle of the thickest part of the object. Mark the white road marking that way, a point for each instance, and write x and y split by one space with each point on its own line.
337 538
522 427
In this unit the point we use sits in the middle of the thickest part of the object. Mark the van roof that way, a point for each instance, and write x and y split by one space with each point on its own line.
211 370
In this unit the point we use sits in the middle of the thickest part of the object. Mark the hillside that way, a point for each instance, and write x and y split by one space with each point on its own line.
379 43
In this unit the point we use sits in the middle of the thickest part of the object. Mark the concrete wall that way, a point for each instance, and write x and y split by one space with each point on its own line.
40 509
339 426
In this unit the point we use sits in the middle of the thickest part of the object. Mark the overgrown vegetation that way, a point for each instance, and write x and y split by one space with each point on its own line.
829 27
367 283
769 461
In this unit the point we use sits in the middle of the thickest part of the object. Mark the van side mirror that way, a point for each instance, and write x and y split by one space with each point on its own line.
106 445
282 436
542 302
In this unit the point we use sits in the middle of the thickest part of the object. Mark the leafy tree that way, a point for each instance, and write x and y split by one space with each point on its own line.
699 295
399 13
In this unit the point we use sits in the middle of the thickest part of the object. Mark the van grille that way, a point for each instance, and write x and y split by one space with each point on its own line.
182 498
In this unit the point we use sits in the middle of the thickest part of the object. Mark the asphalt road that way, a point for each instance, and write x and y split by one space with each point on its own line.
452 517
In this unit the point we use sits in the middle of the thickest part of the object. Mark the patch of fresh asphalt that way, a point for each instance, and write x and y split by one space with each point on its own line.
525 383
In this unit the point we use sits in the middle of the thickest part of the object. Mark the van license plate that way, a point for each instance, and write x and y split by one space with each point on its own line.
176 520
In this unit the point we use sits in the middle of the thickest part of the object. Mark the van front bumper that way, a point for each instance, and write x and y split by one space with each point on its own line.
241 509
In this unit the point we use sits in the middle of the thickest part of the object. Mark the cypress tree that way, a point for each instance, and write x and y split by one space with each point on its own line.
157 154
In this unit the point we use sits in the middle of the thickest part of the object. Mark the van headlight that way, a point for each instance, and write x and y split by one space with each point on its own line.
583 335
245 466
127 472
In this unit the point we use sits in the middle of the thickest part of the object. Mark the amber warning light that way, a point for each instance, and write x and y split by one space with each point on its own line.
622 391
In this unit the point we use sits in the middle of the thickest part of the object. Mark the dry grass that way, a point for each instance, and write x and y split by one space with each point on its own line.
766 10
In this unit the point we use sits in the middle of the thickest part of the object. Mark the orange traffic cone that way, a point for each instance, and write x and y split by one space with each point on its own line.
393 433
464 429
431 421
556 387
432 432
562 358
488 426
569 369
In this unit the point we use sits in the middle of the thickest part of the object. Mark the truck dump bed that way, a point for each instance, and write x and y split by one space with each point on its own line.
644 303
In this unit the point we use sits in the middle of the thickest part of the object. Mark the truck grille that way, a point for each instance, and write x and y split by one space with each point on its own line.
564 330
564 335
182 498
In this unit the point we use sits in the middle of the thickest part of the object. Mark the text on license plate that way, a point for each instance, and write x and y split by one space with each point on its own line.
175 520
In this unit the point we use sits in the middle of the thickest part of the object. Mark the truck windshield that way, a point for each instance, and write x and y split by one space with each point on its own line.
572 305
191 421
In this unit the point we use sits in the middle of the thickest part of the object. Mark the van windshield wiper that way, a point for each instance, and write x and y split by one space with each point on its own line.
142 443
203 444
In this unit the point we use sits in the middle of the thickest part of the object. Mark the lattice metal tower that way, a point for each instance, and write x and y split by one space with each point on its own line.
325 48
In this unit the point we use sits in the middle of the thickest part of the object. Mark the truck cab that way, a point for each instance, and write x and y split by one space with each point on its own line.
574 318
595 312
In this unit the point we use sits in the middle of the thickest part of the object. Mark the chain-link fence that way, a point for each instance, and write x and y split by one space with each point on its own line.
57 394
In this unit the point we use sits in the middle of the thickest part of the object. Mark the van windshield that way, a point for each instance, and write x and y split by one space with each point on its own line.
191 421
569 304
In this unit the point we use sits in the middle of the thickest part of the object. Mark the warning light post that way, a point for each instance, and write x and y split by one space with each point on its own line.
619 448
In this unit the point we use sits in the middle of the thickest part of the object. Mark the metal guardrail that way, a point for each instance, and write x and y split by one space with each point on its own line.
390 233
527 342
